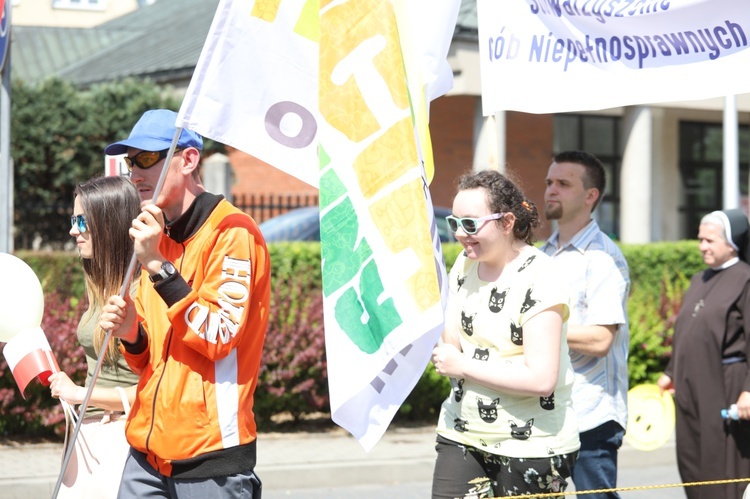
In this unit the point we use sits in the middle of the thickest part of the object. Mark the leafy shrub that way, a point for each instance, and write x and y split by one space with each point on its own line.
57 272
450 253
292 261
651 328
293 377
651 263
659 275
423 403
39 414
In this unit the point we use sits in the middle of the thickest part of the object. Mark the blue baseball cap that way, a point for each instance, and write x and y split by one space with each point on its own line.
154 132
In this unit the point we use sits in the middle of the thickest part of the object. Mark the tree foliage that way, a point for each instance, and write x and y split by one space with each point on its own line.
58 134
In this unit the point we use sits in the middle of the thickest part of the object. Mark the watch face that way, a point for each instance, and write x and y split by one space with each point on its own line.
167 269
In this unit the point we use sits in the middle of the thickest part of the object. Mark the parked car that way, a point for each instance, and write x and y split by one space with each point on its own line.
303 224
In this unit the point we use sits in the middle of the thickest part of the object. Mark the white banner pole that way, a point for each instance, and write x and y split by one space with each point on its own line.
731 172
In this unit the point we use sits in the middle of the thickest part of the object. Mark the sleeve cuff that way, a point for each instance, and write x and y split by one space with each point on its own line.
140 344
173 289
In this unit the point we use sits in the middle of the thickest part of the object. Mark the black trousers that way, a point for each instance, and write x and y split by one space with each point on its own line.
462 471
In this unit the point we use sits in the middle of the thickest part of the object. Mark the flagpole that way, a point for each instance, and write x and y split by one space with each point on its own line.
731 171
105 343
491 131
455 388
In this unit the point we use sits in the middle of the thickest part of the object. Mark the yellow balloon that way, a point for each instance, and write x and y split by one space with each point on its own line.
21 297
650 417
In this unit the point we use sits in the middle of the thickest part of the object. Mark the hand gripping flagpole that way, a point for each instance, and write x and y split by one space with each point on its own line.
105 343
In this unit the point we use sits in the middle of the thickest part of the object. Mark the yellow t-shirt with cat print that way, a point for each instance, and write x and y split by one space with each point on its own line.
489 319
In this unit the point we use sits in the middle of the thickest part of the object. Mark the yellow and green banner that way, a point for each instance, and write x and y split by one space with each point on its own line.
336 93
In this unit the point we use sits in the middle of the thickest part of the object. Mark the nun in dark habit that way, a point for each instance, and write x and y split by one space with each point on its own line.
708 370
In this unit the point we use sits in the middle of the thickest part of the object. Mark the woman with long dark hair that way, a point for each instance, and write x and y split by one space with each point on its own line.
103 211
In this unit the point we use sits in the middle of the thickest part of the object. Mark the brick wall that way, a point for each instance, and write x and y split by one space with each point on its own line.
452 131
253 176
529 145
528 149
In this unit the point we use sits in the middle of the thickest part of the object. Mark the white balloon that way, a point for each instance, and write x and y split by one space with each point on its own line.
21 297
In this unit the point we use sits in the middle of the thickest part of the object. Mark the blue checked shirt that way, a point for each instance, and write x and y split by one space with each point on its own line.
598 281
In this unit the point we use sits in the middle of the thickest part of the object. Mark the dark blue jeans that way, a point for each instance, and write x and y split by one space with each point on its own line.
596 467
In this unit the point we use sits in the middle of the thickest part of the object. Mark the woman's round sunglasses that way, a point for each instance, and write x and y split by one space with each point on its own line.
78 222
470 225
146 159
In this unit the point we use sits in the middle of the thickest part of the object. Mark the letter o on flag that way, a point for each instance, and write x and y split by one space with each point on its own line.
306 133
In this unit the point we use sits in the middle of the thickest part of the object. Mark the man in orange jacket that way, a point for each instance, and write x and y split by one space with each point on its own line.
196 328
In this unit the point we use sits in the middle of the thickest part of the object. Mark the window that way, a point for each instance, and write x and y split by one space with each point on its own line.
600 136
701 169
80 4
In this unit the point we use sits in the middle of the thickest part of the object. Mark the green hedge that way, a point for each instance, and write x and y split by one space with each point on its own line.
57 271
293 377
659 274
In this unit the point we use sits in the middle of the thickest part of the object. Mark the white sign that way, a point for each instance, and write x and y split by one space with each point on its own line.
115 165
548 56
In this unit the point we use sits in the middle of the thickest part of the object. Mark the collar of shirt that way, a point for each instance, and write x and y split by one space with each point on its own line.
579 242
727 264
195 216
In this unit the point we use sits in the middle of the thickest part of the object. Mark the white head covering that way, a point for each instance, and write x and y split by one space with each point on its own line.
735 225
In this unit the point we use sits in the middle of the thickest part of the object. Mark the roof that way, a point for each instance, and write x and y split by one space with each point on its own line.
161 41
467 24
165 43
37 53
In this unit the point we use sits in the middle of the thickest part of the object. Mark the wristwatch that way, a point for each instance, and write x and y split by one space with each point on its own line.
167 269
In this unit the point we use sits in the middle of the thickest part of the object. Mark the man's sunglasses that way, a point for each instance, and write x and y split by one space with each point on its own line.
470 225
79 222
146 159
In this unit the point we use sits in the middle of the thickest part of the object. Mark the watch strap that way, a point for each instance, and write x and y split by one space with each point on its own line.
167 269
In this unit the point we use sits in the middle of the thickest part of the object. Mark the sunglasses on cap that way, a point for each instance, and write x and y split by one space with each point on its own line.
470 225
78 222
146 159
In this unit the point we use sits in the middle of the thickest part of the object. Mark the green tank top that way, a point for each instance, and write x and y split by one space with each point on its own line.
109 376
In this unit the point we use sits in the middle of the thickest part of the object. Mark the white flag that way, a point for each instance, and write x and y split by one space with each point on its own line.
255 87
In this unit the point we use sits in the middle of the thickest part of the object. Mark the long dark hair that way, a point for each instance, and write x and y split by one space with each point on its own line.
109 204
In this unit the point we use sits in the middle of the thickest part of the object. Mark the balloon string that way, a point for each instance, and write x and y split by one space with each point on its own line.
105 343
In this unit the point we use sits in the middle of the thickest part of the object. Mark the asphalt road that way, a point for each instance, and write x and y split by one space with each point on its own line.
641 476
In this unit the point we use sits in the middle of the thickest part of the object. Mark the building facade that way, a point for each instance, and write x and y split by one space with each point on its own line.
70 13
664 161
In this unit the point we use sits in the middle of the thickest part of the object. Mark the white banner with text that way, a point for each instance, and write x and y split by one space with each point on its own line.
548 56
